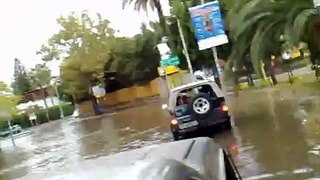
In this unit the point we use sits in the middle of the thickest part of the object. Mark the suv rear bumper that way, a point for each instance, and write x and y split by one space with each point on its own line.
202 125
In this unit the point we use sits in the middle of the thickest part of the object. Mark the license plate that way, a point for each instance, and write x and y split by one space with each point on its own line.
188 125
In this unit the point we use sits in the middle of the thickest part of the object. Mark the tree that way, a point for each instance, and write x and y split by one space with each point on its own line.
199 59
8 102
136 58
71 81
259 25
88 47
83 44
21 82
40 77
153 4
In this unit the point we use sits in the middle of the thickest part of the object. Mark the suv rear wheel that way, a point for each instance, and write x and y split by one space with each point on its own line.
201 105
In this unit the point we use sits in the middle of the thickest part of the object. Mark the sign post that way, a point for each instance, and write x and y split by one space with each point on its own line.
209 29
166 60
185 49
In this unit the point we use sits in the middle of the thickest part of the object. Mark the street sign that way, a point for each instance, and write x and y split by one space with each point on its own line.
173 61
162 71
98 91
208 25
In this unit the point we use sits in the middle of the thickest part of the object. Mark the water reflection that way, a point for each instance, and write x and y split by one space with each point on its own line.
13 161
276 134
272 140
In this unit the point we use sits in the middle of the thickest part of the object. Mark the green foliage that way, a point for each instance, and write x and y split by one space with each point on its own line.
258 26
4 87
136 58
8 102
54 114
40 76
21 82
153 4
84 45
88 48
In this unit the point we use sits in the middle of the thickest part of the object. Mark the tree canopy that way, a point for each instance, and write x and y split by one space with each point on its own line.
21 82
40 76
260 26
88 48
8 102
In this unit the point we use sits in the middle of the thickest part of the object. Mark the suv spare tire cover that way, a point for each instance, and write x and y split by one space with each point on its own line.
201 105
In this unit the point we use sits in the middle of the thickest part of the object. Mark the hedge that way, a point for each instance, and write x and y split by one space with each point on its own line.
24 122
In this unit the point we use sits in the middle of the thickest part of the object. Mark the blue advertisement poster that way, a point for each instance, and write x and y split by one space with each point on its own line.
208 25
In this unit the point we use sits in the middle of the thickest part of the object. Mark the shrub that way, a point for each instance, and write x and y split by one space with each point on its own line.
68 109
3 125
21 119
24 122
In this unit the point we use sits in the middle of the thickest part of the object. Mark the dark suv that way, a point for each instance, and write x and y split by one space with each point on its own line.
197 105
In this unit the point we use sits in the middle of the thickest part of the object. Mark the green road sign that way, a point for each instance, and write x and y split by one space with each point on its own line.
173 61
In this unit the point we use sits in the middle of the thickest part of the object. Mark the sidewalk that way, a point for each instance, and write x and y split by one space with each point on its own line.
283 77
296 72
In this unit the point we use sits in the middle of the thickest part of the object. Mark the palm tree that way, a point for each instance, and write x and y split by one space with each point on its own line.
153 4
258 25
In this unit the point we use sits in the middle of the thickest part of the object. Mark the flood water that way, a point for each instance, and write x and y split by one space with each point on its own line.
276 135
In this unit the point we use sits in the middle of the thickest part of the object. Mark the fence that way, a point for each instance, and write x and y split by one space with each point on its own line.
130 94
156 87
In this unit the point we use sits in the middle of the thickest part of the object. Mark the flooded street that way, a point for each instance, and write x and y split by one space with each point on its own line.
276 135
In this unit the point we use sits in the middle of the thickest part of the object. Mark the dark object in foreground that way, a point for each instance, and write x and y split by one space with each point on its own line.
192 159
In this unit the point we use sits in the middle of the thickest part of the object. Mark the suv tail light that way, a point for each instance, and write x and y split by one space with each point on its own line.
174 122
224 108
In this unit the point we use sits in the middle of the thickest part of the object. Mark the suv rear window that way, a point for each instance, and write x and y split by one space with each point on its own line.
191 92
186 96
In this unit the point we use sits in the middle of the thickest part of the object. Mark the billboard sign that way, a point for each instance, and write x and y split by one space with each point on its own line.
208 25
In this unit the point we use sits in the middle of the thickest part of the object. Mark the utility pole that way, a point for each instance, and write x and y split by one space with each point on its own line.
165 53
216 61
185 49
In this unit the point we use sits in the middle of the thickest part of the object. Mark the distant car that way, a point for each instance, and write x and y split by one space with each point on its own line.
15 129
192 159
195 106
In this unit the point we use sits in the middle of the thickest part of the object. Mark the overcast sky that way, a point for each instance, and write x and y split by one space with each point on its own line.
27 24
